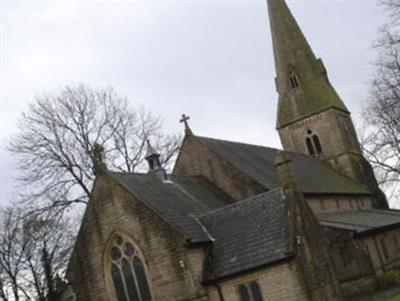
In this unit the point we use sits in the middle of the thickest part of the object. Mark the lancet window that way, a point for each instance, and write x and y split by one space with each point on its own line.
127 271
250 292
294 80
313 144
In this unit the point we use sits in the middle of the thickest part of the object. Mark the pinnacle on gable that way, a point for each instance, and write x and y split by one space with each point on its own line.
98 157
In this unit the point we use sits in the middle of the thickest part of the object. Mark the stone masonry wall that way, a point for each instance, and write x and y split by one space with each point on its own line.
352 264
278 282
373 245
196 159
173 270
312 258
330 127
326 203
340 145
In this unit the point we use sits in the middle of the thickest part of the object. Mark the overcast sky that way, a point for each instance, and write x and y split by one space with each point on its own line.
210 59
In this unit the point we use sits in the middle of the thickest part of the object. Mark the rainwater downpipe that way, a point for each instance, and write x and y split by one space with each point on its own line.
219 290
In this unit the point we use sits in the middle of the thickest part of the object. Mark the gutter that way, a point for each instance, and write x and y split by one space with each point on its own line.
377 230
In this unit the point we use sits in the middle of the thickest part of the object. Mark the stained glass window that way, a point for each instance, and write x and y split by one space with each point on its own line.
118 283
128 272
141 279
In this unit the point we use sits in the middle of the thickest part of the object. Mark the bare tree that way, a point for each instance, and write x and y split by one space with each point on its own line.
3 295
33 252
51 241
13 245
57 135
393 7
381 141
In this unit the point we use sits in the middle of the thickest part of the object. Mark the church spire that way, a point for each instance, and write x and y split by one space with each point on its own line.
287 37
302 81
312 119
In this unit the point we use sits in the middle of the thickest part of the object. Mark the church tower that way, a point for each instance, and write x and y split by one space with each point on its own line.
312 118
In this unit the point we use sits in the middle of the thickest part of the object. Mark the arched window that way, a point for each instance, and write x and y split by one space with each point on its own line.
293 80
317 144
127 271
250 292
313 144
310 146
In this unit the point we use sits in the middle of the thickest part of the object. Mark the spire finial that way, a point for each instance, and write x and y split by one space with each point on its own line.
185 120
150 149
98 157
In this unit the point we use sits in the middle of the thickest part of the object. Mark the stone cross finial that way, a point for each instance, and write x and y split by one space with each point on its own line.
185 120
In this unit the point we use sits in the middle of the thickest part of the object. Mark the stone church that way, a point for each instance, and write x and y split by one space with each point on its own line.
240 222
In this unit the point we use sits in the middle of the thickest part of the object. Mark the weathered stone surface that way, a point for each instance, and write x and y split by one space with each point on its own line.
113 210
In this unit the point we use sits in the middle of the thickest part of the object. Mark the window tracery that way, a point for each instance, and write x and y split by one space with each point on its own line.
127 271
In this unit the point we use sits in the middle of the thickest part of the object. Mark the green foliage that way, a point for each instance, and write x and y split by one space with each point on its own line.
390 278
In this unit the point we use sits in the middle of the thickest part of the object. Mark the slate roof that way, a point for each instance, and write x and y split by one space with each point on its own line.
361 221
244 235
178 201
247 235
257 162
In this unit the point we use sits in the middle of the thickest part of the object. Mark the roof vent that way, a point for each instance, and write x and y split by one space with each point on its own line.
153 159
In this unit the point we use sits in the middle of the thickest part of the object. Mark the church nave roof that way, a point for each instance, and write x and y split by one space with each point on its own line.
312 174
179 201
